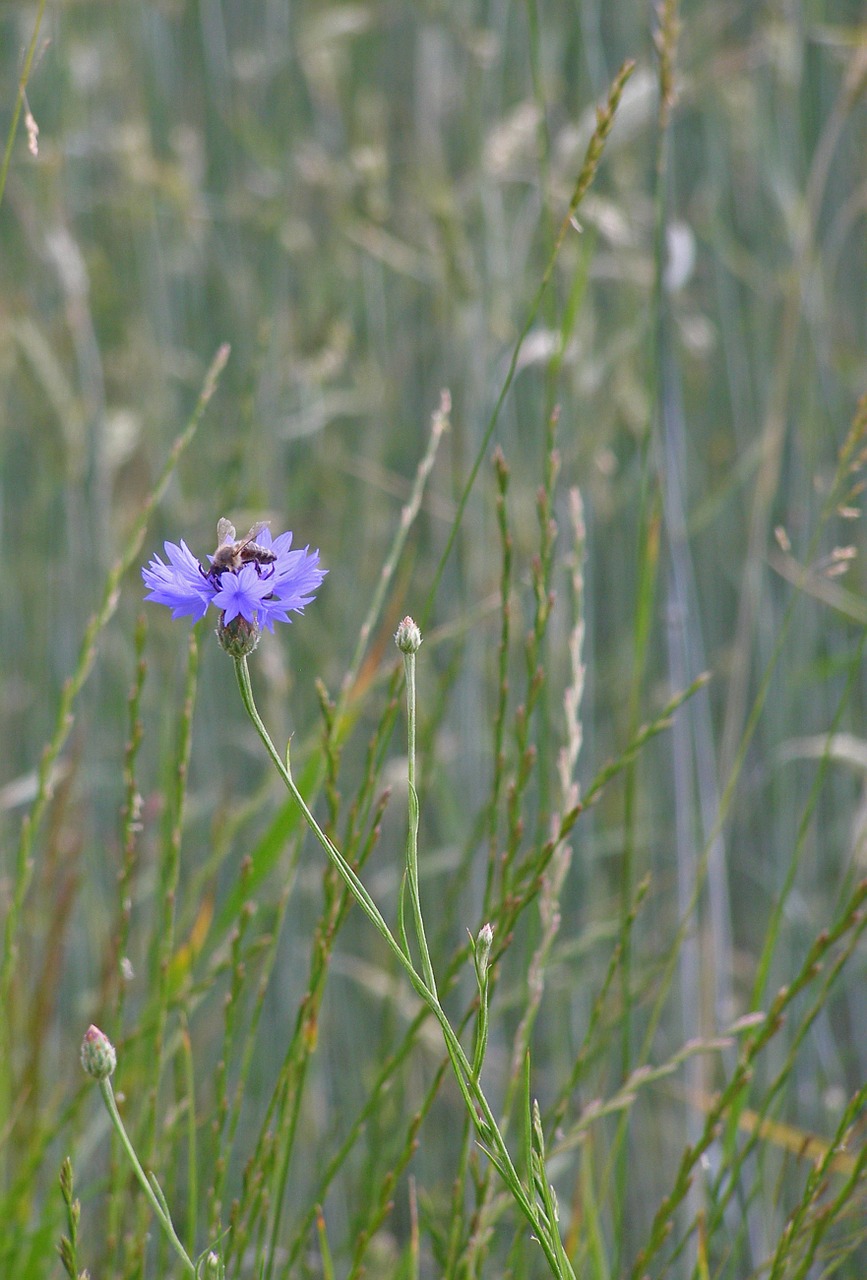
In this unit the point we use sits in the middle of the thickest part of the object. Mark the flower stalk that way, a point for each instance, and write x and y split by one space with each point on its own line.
466 1074
408 640
151 1188
98 1059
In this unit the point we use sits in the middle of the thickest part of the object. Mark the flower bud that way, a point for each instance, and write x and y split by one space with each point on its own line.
238 637
97 1054
408 637
482 951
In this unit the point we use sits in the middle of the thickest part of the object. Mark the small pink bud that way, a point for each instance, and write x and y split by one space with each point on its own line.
408 637
97 1054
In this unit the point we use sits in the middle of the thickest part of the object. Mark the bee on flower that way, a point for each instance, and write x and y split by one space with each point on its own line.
253 581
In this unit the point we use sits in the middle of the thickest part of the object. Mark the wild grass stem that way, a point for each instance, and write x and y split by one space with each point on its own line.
19 97
65 719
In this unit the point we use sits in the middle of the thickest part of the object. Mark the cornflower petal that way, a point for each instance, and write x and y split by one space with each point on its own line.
180 584
295 582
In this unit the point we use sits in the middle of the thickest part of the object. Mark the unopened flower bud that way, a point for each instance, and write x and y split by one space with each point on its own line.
408 637
482 951
97 1054
238 637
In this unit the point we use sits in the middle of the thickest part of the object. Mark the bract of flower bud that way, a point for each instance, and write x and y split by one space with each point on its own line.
97 1054
408 637
238 637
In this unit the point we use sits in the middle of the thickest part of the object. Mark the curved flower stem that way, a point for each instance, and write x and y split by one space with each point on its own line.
476 1103
159 1206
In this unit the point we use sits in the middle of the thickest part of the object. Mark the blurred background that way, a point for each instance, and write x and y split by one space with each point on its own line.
361 199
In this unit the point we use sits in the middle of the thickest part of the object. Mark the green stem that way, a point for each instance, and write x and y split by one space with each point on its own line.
159 1209
19 100
477 1104
412 832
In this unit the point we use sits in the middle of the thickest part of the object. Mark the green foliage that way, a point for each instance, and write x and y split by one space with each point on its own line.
638 752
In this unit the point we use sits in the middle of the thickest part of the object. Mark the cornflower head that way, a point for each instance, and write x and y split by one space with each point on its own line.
253 581
98 1056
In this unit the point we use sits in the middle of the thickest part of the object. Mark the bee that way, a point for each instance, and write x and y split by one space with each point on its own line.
231 554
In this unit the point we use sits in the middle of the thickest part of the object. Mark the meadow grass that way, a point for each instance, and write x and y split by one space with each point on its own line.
539 949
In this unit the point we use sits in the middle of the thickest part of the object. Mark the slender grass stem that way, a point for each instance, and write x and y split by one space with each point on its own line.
19 99
595 147
65 720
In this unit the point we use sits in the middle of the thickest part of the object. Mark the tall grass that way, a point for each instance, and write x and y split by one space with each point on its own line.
636 749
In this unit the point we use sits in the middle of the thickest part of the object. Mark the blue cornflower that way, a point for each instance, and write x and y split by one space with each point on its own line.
261 585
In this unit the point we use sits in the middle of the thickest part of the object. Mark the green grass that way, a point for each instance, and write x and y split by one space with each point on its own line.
367 204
